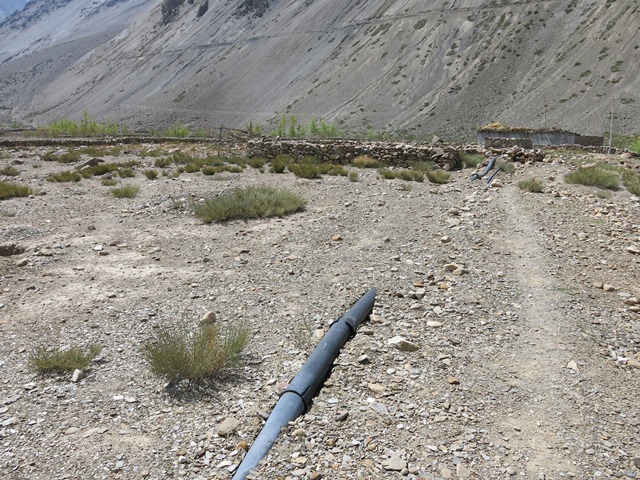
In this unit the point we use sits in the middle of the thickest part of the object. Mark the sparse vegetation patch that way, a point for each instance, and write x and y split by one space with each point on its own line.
10 190
182 353
45 360
594 177
250 202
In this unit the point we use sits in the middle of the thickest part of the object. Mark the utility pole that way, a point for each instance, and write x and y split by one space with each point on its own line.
611 126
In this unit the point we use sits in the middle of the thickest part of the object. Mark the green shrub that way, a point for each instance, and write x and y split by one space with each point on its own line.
109 182
531 185
594 177
471 160
423 166
10 190
9 171
251 202
631 181
364 161
151 173
353 176
438 176
304 170
44 360
126 173
634 146
125 191
256 162
506 166
209 170
181 353
69 157
152 153
192 167
163 162
181 158
280 163
65 176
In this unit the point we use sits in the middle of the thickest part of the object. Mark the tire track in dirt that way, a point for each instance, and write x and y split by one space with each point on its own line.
539 424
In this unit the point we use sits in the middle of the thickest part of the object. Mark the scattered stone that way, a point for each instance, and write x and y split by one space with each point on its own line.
364 360
227 426
336 238
572 365
242 445
403 344
71 431
376 387
10 249
453 381
77 375
632 301
608 288
446 473
208 318
9 421
394 464
633 249
434 324
636 461
598 285
23 262
462 471
632 362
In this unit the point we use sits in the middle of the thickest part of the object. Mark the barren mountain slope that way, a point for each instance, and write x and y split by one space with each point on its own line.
444 67
521 309
7 7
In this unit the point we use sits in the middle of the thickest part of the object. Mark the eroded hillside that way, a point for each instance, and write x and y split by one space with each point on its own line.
408 67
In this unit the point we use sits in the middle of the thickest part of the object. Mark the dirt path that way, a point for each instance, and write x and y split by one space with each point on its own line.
541 419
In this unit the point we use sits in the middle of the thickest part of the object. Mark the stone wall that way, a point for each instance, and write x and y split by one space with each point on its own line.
389 153
344 151
539 137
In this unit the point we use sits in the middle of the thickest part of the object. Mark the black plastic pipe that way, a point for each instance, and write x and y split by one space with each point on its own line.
493 175
490 165
296 399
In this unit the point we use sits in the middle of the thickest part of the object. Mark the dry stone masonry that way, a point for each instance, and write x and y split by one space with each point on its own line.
390 153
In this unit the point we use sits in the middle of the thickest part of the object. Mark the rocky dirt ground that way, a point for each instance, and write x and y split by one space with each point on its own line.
523 308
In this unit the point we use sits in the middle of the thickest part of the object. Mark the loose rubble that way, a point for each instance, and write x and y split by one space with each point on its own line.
504 341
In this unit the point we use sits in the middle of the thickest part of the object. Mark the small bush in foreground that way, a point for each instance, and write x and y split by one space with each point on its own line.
631 181
125 191
9 171
353 176
532 185
109 182
181 353
438 176
594 177
252 202
9 190
44 360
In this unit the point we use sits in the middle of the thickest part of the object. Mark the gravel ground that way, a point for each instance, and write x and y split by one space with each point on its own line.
522 309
